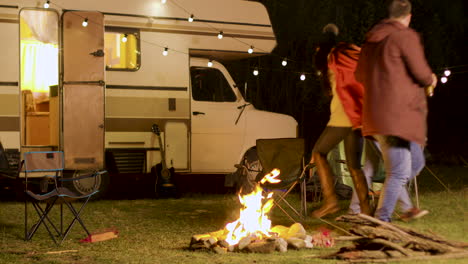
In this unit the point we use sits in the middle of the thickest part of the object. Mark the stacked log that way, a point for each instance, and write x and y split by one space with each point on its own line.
378 241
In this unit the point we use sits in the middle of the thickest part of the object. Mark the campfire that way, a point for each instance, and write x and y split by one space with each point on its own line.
252 231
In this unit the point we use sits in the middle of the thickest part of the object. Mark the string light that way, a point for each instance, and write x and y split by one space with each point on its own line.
250 50
210 63
284 62
443 79
124 38
190 19
163 1
165 51
255 71
47 4
303 77
220 35
447 73
85 22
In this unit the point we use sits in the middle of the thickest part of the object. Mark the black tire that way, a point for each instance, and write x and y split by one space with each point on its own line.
85 186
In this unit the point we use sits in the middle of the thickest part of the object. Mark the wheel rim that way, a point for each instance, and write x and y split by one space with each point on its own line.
85 186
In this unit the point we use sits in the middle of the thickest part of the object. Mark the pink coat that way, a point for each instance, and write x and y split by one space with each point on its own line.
394 71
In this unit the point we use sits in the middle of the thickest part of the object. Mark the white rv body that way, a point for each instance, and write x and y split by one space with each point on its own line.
200 135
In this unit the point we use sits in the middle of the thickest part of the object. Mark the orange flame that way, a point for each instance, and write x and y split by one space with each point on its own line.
253 219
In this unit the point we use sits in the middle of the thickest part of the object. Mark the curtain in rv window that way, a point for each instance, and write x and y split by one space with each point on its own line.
39 51
122 49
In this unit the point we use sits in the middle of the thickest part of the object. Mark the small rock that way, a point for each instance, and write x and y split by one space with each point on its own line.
296 243
297 230
244 242
223 243
220 250
261 247
281 245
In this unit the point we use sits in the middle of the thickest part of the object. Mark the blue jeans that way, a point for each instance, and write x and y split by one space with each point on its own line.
372 164
403 160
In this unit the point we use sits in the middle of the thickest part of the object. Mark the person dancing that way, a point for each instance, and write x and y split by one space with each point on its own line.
337 62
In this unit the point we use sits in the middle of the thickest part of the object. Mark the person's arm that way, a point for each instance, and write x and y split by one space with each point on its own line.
413 54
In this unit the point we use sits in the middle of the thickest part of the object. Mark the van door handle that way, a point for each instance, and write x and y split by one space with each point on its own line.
198 113
98 53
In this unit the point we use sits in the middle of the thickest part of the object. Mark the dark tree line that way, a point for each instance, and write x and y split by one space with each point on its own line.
297 25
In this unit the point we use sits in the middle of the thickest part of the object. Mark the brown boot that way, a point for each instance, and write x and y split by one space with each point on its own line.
362 190
330 203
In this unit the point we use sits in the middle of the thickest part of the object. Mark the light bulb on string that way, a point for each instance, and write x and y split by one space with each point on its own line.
447 73
443 79
284 62
165 51
255 71
210 63
124 38
163 1
85 22
250 50
303 77
220 35
47 4
190 19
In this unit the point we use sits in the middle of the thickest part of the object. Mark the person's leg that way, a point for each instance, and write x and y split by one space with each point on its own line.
329 138
417 164
371 166
397 160
353 150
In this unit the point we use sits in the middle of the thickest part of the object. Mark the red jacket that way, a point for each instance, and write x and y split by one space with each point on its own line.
343 60
394 71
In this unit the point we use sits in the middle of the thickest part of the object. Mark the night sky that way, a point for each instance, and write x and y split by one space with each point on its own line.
297 24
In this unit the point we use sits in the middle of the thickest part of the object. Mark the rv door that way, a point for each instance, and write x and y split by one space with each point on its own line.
218 126
83 89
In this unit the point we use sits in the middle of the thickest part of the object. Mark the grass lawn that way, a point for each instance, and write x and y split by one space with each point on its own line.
159 231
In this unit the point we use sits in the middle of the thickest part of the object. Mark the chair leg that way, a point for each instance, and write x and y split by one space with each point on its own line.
43 219
76 215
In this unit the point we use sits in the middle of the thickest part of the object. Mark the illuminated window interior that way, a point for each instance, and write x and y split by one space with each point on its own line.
39 63
122 49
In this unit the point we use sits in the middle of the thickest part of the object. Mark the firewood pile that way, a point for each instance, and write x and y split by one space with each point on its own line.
281 238
378 241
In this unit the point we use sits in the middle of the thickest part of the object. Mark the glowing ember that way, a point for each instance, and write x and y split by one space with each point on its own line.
253 220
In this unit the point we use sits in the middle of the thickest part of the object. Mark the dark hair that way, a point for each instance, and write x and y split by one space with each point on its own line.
398 8
327 42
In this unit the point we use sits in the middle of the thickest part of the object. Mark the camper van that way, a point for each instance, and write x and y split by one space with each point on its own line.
91 78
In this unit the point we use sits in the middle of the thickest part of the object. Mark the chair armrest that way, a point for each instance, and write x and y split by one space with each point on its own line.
85 176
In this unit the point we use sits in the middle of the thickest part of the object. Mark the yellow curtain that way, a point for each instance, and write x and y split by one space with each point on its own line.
119 54
39 66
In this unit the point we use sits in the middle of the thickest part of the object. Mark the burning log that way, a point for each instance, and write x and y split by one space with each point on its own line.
378 240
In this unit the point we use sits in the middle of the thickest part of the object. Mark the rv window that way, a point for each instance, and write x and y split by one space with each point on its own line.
209 84
122 49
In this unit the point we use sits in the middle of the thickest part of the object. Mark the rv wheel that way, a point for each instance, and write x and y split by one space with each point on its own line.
85 186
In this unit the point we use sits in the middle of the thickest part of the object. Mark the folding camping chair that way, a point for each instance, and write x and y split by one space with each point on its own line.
50 165
287 155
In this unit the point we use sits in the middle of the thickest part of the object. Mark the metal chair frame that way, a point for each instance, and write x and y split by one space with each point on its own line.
51 163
